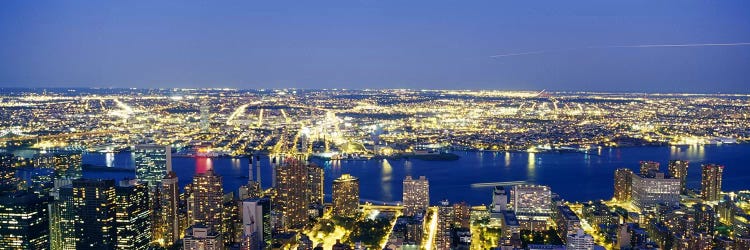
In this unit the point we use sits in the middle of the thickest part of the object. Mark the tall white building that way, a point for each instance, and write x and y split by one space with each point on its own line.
580 241
499 199
416 195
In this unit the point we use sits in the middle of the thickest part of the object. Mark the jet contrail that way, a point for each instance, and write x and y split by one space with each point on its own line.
622 46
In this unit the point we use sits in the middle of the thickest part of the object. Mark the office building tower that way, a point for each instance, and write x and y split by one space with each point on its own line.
205 204
24 221
200 237
650 191
567 222
291 194
499 199
315 179
579 241
256 223
133 215
511 230
167 230
152 162
66 164
8 180
623 184
416 195
86 215
346 195
678 170
533 206
649 168
444 226
711 182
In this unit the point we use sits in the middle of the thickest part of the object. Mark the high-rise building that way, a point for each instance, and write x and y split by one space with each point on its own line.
87 210
205 204
24 221
650 191
623 184
253 188
416 195
133 215
152 162
533 206
567 222
678 170
444 226
649 168
8 180
711 182
200 237
256 222
579 241
461 215
291 194
499 199
705 218
66 164
345 195
315 184
168 227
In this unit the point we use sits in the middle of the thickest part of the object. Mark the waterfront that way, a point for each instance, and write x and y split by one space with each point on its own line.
574 176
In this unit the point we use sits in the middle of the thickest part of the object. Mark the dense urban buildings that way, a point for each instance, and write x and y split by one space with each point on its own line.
312 138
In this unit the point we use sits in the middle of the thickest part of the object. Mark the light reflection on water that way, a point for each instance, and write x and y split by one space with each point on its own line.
385 178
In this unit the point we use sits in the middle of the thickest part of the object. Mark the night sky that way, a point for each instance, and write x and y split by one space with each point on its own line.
554 45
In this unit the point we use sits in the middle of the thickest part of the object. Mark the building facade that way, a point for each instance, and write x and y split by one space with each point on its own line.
711 182
345 195
416 195
205 204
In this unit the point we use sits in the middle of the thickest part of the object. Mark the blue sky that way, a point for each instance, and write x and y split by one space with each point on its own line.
376 44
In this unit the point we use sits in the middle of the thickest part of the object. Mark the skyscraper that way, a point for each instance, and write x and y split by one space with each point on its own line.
256 222
133 215
24 221
315 176
291 197
87 215
623 184
711 182
205 204
8 178
345 195
678 170
168 226
152 162
649 168
416 195
444 224
705 218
